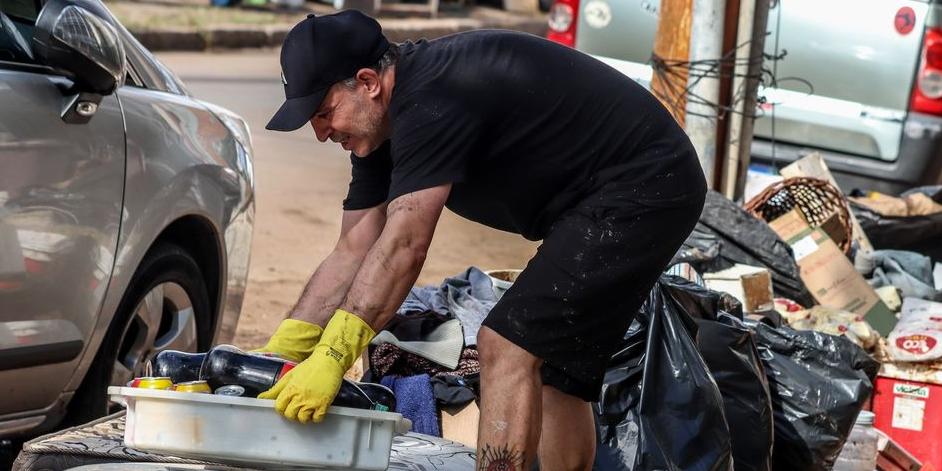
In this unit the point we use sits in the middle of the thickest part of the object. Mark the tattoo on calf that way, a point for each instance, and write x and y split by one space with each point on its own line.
500 458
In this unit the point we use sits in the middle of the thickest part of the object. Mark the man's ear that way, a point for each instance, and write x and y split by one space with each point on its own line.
370 79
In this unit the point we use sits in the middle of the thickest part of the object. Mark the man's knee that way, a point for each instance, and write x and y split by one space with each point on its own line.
496 351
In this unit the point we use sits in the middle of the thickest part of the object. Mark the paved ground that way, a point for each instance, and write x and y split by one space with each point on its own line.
193 25
300 185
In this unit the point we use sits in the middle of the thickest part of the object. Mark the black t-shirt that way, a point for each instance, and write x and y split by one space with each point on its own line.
523 128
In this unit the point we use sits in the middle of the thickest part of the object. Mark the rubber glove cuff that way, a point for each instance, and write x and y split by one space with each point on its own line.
294 340
345 338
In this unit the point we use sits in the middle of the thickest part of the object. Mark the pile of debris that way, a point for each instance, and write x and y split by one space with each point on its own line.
804 328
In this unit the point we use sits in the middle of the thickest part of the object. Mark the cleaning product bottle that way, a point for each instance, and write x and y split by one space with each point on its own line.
180 367
226 365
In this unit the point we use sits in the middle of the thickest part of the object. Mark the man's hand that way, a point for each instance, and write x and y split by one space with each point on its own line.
294 340
305 393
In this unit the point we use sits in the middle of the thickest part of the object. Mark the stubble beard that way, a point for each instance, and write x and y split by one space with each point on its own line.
370 123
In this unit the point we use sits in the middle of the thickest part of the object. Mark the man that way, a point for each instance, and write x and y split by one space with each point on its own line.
514 132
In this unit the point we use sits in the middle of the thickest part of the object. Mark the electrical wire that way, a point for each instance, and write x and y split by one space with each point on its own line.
690 73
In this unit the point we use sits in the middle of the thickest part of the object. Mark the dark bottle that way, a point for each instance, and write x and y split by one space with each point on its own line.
180 367
365 396
227 365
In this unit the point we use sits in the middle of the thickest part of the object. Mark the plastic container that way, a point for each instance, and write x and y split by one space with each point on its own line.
860 450
502 280
248 431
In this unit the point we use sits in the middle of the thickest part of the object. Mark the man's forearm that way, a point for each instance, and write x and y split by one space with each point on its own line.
393 263
327 287
384 279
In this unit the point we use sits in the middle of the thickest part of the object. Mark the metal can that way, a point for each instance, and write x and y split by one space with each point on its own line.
152 382
193 386
230 390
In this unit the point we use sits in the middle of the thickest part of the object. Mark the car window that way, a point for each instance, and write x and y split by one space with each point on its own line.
17 19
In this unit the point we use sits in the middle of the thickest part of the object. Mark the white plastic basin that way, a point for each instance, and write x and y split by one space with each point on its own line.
248 431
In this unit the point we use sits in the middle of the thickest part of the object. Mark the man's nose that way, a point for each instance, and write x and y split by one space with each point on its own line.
320 129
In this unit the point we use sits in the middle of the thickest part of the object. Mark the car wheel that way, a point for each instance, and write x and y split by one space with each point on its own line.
165 307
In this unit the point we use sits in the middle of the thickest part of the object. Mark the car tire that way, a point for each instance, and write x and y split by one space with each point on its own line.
168 275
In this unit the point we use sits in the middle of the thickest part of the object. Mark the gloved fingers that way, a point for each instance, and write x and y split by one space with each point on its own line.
305 413
293 407
283 401
319 414
275 390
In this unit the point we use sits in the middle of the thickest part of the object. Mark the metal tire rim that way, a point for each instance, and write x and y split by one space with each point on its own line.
163 320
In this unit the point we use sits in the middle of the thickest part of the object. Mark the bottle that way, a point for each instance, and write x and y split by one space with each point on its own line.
860 449
227 365
180 367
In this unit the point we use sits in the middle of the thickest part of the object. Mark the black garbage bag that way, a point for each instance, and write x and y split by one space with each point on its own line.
730 352
819 383
660 407
726 235
921 234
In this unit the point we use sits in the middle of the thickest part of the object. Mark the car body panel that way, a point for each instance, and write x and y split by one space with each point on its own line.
849 53
176 159
855 69
182 162
61 191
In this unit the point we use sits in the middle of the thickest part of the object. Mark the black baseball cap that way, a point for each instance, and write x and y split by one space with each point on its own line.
319 52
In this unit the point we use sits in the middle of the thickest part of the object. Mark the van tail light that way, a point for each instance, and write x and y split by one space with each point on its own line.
563 18
927 93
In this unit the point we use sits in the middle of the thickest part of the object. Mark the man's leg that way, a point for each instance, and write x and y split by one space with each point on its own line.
568 439
509 426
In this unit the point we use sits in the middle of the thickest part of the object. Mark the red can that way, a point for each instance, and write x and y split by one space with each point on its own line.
152 382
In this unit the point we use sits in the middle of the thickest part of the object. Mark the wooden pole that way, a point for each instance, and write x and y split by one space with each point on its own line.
727 69
672 43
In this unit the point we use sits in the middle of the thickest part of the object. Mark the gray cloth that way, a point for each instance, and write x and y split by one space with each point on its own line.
910 272
469 296
442 345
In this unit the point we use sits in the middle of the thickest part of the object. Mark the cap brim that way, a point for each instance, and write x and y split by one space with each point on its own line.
296 112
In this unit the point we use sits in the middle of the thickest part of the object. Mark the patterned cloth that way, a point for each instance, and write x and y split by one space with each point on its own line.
388 359
102 441
99 441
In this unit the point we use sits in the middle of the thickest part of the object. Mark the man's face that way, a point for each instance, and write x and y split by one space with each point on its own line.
353 117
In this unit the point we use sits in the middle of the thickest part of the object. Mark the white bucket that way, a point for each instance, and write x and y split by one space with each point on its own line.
502 280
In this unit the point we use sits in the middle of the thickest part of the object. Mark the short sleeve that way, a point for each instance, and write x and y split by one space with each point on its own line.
432 142
369 182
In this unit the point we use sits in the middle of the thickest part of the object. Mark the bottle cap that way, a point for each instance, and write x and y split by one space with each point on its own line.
230 390
865 417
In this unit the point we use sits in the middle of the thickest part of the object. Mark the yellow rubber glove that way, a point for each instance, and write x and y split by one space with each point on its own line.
305 393
294 340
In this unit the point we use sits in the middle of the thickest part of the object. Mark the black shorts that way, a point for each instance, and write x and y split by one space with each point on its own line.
576 298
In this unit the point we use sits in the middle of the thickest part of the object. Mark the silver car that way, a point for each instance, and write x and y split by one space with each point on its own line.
860 80
126 212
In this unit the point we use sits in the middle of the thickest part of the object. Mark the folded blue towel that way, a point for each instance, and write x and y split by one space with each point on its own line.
415 401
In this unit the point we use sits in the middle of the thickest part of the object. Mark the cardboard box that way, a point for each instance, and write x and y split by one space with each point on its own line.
829 275
752 286
461 424
893 457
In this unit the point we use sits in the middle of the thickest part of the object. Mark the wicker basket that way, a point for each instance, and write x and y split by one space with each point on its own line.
817 200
